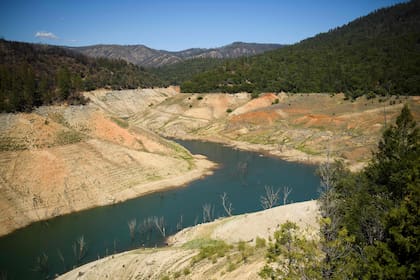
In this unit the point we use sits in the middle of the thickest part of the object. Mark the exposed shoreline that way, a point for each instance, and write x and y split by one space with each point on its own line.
203 168
154 263
290 155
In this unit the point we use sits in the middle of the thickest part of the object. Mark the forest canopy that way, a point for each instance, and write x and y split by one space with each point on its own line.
33 75
374 55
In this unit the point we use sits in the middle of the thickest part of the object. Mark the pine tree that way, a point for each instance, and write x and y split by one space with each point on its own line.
63 83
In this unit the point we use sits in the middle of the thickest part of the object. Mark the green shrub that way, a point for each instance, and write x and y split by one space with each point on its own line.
209 249
186 271
229 110
259 242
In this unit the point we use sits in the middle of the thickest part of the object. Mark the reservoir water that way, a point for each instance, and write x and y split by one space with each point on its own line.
44 249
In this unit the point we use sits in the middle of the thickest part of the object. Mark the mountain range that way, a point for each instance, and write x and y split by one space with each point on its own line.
144 56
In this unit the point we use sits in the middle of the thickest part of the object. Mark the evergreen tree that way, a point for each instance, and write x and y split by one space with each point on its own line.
64 83
380 208
291 255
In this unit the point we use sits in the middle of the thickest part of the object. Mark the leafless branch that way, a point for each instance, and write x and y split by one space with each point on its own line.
208 211
227 205
79 249
160 225
286 193
270 198
132 228
179 223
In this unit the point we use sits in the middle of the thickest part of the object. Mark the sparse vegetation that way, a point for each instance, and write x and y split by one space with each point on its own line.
186 271
209 248
260 242
65 137
291 255
120 122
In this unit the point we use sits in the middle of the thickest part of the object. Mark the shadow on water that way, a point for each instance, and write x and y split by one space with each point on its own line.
44 249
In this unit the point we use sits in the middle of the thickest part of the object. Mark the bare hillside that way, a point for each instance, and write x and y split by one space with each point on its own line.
297 127
64 159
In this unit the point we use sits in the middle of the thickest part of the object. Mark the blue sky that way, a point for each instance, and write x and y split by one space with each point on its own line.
175 25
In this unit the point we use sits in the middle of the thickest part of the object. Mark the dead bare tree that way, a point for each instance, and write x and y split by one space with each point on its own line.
208 212
42 265
286 193
179 223
132 228
270 198
146 227
227 205
160 225
79 249
61 257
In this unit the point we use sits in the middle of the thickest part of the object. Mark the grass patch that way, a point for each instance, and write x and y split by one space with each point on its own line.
307 150
186 271
120 122
65 137
209 249
182 153
245 250
259 242
59 118
10 144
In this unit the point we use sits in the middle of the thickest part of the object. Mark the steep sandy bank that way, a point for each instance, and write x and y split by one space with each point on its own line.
176 260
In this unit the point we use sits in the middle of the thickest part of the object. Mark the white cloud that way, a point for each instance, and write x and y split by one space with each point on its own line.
45 35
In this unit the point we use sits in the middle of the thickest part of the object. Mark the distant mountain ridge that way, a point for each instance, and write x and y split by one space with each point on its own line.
144 56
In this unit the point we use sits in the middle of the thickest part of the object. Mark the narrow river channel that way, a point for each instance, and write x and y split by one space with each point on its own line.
242 175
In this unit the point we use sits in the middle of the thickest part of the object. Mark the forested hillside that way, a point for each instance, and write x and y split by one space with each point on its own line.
33 75
144 56
375 54
177 73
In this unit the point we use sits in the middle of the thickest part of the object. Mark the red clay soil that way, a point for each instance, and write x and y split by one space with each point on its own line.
256 118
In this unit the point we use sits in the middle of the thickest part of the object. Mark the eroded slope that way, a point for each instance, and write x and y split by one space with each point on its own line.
63 159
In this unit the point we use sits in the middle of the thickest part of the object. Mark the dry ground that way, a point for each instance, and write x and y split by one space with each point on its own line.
298 127
63 159
177 260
